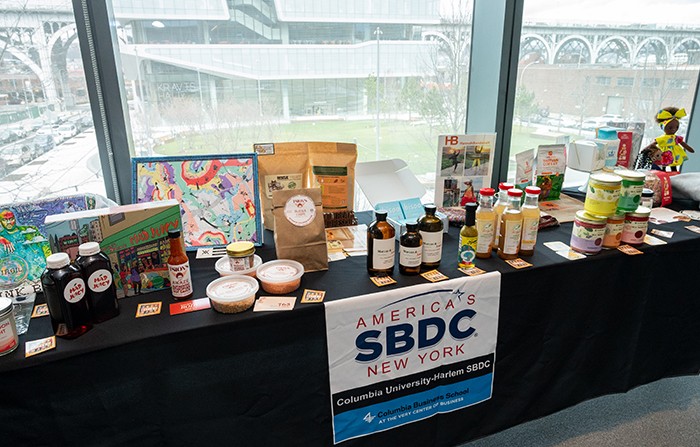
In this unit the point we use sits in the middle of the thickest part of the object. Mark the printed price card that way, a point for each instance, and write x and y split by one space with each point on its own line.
148 309
313 296
381 281
273 303
35 347
41 310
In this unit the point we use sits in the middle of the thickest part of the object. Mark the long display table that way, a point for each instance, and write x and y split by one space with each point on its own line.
568 331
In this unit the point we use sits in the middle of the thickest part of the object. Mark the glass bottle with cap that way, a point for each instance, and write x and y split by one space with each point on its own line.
99 277
430 227
8 328
531 220
485 223
381 247
501 204
241 255
410 250
66 297
179 267
511 226
647 198
468 237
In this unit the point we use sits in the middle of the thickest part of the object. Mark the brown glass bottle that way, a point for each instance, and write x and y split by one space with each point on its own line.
430 227
381 246
410 250
179 268
66 297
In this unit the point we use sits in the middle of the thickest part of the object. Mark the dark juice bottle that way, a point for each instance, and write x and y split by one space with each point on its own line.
430 227
381 246
66 297
99 278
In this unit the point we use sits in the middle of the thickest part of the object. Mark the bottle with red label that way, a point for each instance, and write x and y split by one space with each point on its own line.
99 277
66 297
179 267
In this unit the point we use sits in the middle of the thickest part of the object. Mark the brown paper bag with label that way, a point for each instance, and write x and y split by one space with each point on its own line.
298 225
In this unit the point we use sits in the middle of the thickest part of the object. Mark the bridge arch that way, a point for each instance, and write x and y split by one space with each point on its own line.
614 50
574 49
534 47
652 49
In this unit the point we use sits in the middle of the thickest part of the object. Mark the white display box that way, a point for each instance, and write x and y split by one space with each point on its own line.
389 184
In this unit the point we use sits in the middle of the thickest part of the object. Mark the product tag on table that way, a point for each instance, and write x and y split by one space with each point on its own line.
273 303
693 214
313 296
652 240
434 276
570 254
338 256
381 281
518 263
556 246
662 233
41 310
148 309
210 252
184 307
629 250
693 228
474 271
35 347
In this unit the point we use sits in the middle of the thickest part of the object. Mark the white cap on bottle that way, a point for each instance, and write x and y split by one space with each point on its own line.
89 249
57 260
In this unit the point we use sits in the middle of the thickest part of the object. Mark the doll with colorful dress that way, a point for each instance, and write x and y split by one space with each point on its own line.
668 150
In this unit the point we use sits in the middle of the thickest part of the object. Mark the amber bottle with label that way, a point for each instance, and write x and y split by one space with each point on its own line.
179 267
410 250
381 246
511 226
65 292
99 278
431 227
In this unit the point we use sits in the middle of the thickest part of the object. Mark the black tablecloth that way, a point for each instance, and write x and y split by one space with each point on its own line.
568 331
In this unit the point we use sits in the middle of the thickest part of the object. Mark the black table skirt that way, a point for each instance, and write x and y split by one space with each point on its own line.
568 331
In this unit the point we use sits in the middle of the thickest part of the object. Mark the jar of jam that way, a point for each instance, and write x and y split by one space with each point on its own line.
588 232
241 255
8 329
613 231
635 227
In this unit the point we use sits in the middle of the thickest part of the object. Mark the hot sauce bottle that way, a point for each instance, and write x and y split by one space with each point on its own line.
97 272
66 297
179 267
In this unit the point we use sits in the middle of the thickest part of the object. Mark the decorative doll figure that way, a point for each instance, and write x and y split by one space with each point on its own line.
668 149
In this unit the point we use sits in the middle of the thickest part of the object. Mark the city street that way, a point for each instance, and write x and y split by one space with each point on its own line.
72 167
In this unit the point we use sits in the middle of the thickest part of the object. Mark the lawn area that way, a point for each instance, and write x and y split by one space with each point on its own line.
415 143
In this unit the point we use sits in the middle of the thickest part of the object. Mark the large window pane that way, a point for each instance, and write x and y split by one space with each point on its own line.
218 76
47 139
610 68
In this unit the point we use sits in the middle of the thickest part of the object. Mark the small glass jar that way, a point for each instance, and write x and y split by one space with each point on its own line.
647 198
635 227
8 328
613 231
588 232
241 255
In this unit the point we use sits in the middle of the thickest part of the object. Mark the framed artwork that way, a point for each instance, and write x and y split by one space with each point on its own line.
218 195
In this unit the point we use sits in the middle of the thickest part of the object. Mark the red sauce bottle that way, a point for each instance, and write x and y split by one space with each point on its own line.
179 268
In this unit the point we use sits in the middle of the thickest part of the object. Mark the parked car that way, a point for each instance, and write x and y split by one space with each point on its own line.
67 130
18 130
43 144
17 155
7 136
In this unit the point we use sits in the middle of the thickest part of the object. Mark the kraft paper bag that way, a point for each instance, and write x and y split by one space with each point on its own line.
299 230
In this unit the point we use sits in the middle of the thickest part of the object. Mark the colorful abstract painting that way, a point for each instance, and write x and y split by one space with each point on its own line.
218 195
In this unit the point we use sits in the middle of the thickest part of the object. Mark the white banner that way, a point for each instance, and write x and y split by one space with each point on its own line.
404 355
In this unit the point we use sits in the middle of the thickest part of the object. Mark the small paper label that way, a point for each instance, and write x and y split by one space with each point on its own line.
74 291
148 309
41 310
434 276
35 347
556 246
210 252
313 296
381 281
662 233
570 254
274 303
693 228
629 250
474 271
518 263
190 306
651 240
280 182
